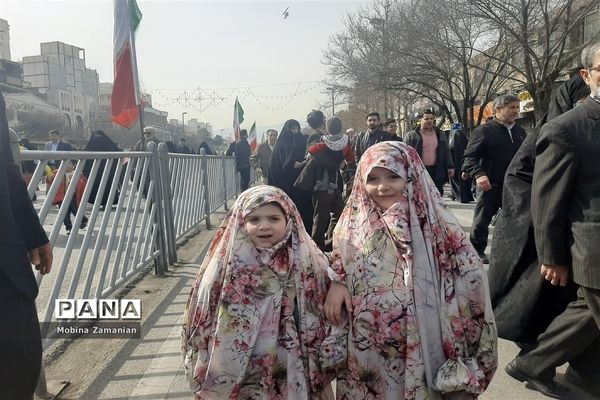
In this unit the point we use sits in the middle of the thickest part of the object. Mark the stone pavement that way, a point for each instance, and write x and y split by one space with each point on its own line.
151 368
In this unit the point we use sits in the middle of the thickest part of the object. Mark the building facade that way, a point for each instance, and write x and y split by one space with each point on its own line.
59 72
4 40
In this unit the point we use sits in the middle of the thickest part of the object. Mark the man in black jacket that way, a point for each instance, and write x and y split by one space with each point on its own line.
374 134
22 242
491 148
432 146
565 207
242 159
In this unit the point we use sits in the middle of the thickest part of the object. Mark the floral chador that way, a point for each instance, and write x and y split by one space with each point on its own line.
422 326
254 322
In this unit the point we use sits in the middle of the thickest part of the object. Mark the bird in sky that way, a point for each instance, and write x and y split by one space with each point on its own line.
286 13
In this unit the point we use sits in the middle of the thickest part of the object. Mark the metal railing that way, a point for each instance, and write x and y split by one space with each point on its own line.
130 209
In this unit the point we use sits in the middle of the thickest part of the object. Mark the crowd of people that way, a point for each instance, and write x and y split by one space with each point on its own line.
377 287
399 306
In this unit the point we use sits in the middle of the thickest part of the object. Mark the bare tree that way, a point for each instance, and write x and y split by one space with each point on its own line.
419 49
548 35
37 124
442 41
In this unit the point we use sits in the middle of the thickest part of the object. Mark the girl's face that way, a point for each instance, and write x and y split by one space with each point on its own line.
385 187
266 226
295 129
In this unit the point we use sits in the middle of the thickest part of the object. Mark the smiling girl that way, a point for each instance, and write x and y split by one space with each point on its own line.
254 322
413 288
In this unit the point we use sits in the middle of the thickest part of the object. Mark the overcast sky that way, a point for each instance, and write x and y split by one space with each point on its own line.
207 49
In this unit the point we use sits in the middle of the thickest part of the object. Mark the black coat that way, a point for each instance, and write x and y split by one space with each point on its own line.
99 141
288 149
242 154
566 193
491 149
366 139
461 189
524 303
20 228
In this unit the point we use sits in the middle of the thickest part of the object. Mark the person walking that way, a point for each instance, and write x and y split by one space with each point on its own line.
287 162
374 134
461 186
328 150
261 158
23 242
100 141
491 148
566 221
432 145
183 148
242 159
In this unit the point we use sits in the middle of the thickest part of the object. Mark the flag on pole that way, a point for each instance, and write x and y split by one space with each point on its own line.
125 100
252 137
238 118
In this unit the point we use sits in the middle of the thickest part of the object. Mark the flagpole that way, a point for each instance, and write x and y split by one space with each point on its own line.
136 81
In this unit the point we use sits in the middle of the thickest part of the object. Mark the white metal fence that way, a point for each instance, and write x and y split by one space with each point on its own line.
127 211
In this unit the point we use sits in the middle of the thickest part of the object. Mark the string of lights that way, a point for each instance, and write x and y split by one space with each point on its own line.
201 100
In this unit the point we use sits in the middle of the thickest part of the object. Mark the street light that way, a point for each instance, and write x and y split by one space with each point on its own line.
183 123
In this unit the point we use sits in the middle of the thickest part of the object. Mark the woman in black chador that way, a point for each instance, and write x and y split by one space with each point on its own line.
524 303
287 162
99 141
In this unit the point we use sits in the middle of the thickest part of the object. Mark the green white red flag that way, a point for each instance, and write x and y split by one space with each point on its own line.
125 100
238 118
252 137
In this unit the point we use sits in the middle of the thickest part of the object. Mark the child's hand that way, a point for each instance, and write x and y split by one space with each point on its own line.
337 296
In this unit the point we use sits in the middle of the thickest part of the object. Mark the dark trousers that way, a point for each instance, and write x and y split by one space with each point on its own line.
244 178
461 189
573 336
327 210
439 183
72 210
488 204
21 343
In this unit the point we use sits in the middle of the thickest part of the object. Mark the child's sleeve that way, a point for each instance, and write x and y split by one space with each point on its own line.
317 148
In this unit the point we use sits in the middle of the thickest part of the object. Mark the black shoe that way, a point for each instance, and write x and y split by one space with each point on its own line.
578 381
83 224
484 259
68 231
547 388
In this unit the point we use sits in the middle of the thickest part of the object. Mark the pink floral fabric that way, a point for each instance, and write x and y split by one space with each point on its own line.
422 325
254 323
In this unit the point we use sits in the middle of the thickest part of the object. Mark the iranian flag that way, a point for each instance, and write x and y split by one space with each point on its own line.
238 118
125 101
252 137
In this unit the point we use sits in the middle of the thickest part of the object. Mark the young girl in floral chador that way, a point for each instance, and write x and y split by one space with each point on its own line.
254 322
412 285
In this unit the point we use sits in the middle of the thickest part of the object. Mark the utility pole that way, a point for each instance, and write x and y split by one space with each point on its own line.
183 123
